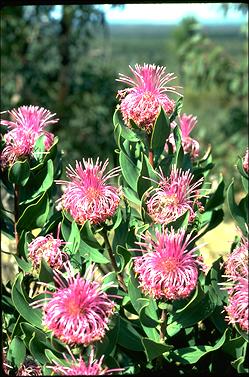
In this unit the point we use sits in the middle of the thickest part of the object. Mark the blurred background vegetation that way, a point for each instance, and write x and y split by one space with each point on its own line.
66 58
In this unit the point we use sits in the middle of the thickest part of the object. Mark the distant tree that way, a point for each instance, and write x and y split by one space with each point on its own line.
240 7
54 56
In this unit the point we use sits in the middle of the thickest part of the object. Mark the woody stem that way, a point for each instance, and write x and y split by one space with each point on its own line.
16 214
151 154
163 324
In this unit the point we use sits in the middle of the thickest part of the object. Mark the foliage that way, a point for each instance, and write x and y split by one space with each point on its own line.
183 336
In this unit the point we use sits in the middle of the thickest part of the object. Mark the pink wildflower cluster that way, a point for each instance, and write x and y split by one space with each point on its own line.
80 368
26 126
190 145
87 196
148 93
246 161
167 269
79 310
48 248
236 272
174 196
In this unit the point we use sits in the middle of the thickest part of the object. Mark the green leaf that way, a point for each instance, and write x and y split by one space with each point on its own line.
35 215
148 317
214 277
131 195
146 172
146 308
108 343
216 218
129 170
88 236
173 328
34 316
190 355
51 356
154 349
37 345
217 198
238 365
74 238
180 222
160 133
23 264
242 170
235 211
148 312
42 180
46 272
128 337
39 148
126 132
243 333
120 235
179 154
133 291
52 152
16 352
25 239
235 347
177 109
123 257
198 308
19 172
90 253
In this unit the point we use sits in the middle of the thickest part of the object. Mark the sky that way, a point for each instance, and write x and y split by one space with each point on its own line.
171 13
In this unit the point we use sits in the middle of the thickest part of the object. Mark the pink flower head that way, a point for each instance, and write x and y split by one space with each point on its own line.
26 126
29 368
174 196
167 269
48 248
237 308
147 94
79 310
237 262
190 146
245 161
81 368
87 196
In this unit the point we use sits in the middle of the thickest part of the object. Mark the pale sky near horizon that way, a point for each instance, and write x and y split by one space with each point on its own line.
171 13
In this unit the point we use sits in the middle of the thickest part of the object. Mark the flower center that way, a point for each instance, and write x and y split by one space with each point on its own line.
168 265
92 193
74 308
168 200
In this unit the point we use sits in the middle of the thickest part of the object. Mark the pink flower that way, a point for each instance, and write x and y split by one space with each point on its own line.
87 197
78 311
174 196
237 262
245 161
147 94
167 269
48 248
190 146
81 368
26 127
29 368
237 308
